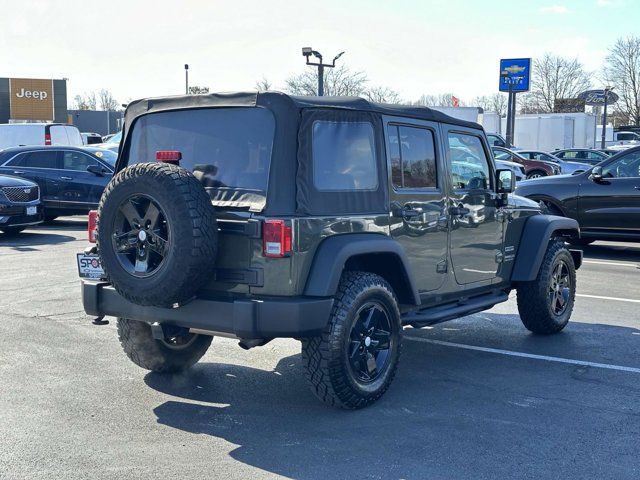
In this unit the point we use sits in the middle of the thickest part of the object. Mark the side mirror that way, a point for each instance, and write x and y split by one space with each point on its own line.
506 181
596 174
96 170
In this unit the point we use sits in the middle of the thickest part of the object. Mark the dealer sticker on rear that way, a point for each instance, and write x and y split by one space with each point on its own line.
89 266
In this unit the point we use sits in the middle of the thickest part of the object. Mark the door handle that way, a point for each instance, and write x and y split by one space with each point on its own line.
18 172
637 187
66 178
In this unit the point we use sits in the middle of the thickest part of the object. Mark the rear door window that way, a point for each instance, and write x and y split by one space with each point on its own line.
17 161
344 156
226 148
413 157
42 159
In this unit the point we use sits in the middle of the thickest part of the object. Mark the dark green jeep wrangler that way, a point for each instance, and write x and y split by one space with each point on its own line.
334 221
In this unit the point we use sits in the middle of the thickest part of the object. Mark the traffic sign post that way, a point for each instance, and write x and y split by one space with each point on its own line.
514 77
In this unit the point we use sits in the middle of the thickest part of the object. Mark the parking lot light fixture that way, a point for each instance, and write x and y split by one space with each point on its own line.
186 79
307 52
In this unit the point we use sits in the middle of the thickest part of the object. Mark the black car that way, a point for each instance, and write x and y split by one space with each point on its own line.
605 200
19 204
582 155
71 179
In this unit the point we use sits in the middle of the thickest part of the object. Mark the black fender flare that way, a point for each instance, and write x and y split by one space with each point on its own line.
534 240
334 252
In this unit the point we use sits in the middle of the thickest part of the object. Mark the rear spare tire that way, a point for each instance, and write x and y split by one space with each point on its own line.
157 234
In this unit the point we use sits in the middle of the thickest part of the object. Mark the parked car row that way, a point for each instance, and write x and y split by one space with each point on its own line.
70 179
605 200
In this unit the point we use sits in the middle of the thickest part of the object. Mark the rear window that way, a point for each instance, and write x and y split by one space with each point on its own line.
226 148
344 156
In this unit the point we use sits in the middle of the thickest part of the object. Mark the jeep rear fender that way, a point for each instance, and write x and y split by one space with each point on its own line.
361 251
536 234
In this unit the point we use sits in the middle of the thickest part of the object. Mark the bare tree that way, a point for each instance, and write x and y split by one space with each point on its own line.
196 90
263 85
492 103
85 102
556 77
440 100
622 69
339 81
107 101
381 94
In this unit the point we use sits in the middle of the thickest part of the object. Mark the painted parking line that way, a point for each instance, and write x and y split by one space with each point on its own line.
511 353
600 297
613 264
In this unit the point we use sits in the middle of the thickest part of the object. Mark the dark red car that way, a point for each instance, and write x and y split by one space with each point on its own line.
533 168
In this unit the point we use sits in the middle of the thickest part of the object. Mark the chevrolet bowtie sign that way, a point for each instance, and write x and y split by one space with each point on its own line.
31 99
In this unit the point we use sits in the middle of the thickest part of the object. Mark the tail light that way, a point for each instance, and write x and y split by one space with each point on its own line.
276 238
168 156
92 226
47 139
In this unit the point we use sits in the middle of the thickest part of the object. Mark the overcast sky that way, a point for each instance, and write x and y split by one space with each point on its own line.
139 48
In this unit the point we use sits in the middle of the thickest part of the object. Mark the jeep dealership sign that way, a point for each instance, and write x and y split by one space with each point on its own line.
31 99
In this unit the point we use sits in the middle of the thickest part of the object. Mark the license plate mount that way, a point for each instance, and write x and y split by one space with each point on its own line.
89 266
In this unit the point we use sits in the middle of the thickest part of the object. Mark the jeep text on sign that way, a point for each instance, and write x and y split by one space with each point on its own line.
31 99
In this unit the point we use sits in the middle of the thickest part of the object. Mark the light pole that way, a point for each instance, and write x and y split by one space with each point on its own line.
604 116
307 52
186 79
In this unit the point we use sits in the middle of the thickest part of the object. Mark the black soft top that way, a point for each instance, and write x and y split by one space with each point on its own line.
285 102
290 189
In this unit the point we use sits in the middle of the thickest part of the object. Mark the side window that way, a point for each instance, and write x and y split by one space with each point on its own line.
413 157
41 159
498 154
594 156
570 155
344 156
17 161
627 166
469 164
76 161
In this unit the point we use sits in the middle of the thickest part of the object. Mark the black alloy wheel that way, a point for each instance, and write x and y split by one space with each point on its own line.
370 342
545 304
141 235
559 288
353 362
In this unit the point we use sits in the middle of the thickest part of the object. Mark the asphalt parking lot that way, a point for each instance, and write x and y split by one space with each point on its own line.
478 397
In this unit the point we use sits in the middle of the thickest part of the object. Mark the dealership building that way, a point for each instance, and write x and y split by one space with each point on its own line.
33 100
25 100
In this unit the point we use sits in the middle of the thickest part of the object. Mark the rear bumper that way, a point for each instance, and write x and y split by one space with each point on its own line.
247 319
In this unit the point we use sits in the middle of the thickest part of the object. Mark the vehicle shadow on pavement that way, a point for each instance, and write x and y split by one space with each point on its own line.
26 241
450 413
629 252
66 224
